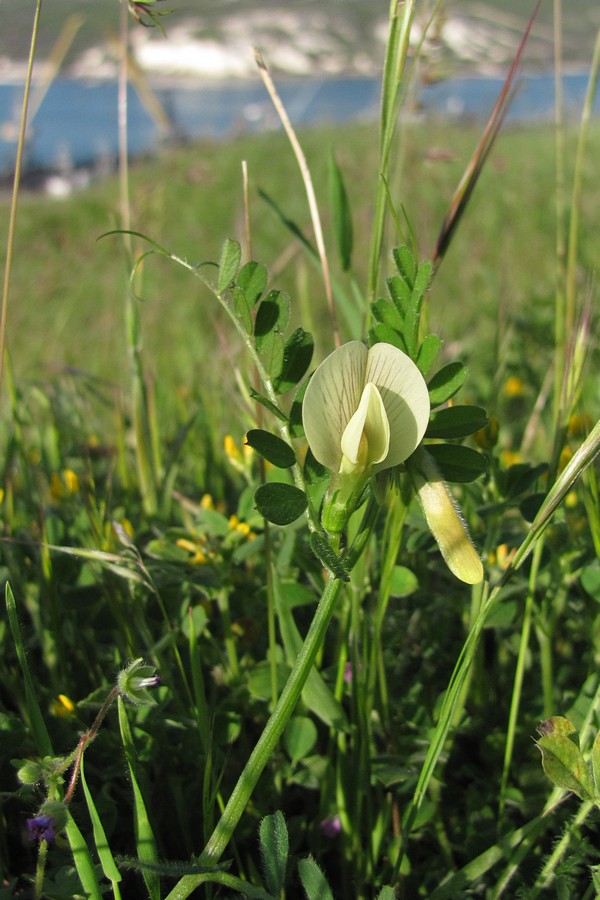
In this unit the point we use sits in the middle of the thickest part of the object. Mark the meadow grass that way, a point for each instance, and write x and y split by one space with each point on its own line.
358 710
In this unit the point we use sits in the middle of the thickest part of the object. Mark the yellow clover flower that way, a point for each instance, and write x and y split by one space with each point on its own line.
363 411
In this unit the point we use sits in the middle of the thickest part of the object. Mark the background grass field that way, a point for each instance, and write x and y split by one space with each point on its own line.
132 527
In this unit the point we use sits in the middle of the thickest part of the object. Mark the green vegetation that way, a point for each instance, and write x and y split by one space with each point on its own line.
216 637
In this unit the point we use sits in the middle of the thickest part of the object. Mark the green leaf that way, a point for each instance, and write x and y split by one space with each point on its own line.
252 281
530 506
596 764
590 580
321 548
273 315
271 319
385 334
456 422
403 582
313 471
109 867
82 860
423 279
296 426
247 290
340 213
313 881
264 401
427 353
274 849
519 478
231 254
297 356
447 382
271 353
144 837
280 503
458 464
387 314
271 447
405 263
387 893
260 680
565 766
400 292
300 737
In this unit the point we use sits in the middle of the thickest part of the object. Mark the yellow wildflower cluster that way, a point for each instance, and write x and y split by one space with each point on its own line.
197 555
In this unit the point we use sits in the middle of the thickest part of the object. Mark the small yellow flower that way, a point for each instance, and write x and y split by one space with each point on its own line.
1 494
510 458
487 437
231 450
62 706
571 500
127 527
504 554
71 480
580 425
198 557
241 527
565 458
57 488
513 387
207 502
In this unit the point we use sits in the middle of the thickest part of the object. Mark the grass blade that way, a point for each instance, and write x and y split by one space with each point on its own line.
467 184
144 836
107 861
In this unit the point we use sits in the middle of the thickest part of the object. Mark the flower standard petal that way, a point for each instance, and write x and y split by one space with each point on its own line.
366 438
405 397
331 399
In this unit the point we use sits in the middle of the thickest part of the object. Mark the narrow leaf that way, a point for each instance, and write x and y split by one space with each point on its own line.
144 836
109 867
405 263
427 353
340 213
313 880
82 860
274 849
264 401
228 264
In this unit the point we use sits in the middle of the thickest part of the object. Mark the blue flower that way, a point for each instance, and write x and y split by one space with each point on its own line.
41 828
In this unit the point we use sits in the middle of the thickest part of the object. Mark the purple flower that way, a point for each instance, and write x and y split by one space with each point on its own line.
331 827
41 828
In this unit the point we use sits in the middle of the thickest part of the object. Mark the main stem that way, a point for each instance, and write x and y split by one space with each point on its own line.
268 740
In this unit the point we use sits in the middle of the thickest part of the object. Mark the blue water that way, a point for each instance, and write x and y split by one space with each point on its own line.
77 121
